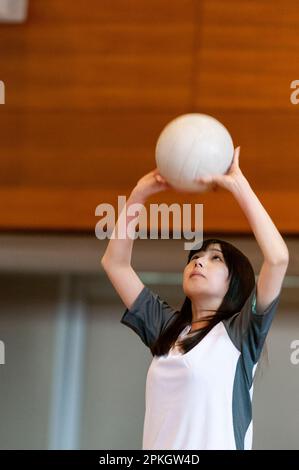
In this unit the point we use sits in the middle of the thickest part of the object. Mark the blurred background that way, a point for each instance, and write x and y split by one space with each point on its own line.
88 88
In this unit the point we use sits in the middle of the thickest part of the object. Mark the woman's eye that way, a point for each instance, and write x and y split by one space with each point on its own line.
215 256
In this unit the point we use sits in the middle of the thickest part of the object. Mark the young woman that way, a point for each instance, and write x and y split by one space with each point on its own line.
200 382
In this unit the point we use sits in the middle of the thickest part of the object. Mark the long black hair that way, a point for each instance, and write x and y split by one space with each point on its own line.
241 283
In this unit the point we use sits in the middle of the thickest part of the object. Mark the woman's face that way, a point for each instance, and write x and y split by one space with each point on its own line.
211 265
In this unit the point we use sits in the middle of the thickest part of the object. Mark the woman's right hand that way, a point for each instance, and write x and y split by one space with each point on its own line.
151 183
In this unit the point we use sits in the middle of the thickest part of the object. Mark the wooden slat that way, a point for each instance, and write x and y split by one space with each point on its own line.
109 55
41 209
247 54
114 151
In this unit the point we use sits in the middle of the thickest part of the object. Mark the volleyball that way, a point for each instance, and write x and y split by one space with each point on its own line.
191 146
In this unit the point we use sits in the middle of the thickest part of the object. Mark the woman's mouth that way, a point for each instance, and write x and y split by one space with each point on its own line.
196 274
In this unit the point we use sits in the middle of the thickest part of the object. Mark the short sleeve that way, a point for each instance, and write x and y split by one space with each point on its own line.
148 316
248 328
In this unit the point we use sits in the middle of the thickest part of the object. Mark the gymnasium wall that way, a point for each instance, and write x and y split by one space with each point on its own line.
89 87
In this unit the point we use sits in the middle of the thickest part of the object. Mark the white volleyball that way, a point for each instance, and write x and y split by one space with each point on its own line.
190 146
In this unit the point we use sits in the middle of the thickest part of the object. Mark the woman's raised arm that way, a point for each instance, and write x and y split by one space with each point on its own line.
116 260
271 243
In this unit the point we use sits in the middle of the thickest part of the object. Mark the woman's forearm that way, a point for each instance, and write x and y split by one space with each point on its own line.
120 245
267 236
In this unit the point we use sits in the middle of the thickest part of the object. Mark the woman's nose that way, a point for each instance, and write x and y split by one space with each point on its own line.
197 261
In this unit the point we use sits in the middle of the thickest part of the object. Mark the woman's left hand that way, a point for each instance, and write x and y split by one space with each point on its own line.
226 181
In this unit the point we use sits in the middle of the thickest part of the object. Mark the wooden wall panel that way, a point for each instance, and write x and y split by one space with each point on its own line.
247 54
101 56
90 86
113 151
73 209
